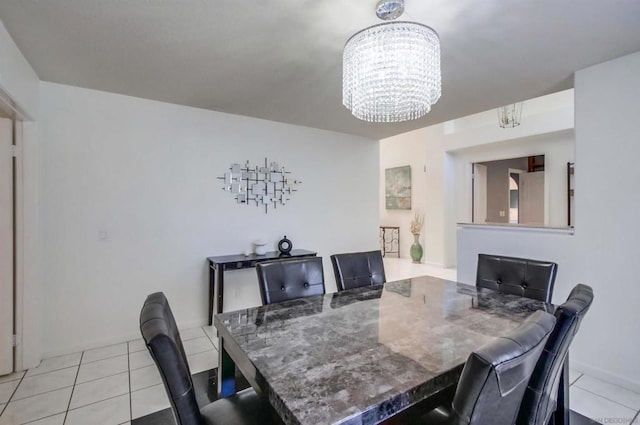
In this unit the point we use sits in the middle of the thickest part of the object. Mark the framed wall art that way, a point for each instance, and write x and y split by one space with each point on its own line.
397 184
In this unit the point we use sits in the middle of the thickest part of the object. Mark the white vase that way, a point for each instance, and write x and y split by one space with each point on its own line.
259 247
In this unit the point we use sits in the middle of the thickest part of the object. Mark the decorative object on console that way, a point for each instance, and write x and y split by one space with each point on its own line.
397 188
259 247
265 185
416 250
509 115
284 246
391 71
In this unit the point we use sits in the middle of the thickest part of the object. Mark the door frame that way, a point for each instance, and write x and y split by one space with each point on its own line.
509 172
7 258
27 304
479 193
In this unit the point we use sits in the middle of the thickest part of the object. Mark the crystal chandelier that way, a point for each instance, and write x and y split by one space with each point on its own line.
509 115
391 71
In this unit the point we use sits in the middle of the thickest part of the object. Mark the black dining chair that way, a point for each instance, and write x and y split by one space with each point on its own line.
283 280
519 276
161 336
540 399
495 377
356 269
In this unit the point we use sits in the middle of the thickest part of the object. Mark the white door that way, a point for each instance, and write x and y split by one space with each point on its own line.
479 193
6 247
532 198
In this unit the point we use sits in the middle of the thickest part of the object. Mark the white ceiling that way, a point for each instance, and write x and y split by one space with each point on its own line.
281 60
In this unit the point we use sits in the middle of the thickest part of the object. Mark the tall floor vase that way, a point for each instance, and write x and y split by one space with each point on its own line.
416 249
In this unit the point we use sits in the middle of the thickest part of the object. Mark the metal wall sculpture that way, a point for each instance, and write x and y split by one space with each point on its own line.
263 185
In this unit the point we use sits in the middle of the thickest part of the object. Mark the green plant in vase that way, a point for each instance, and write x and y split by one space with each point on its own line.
416 250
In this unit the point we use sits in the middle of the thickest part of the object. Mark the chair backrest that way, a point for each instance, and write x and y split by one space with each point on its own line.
519 276
160 333
283 280
540 399
495 377
358 269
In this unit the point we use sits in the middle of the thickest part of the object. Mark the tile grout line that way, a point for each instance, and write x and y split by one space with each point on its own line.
48 391
44 392
13 393
107 358
52 370
94 402
209 337
607 398
103 377
75 383
211 340
89 362
66 413
577 379
46 417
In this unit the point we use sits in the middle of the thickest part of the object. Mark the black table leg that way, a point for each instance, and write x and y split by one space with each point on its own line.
226 372
561 416
220 274
212 278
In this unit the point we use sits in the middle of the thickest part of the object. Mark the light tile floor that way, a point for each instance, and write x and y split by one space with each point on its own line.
111 385
119 383
403 268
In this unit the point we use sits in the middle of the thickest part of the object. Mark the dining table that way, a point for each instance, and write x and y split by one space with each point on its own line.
363 355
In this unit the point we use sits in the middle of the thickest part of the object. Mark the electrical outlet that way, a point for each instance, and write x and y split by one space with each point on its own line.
103 236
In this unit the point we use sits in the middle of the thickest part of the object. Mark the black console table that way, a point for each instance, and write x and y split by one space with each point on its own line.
218 265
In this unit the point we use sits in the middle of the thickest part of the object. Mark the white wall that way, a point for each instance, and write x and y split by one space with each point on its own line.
400 152
603 250
542 244
146 173
607 209
425 157
17 79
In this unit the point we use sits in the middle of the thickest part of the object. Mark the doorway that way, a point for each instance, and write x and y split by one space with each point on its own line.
509 191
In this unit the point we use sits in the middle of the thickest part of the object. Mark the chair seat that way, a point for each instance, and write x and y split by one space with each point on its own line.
244 408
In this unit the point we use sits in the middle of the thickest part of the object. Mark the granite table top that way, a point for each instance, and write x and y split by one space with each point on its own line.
363 355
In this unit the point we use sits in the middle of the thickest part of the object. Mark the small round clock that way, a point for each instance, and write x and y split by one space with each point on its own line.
284 246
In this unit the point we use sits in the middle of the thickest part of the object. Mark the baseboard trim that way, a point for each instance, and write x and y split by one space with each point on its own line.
429 263
61 351
604 375
426 263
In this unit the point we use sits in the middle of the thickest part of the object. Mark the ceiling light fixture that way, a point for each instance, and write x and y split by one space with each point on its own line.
509 116
391 71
